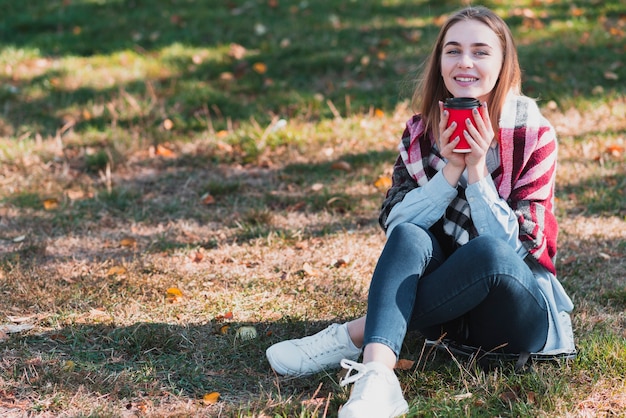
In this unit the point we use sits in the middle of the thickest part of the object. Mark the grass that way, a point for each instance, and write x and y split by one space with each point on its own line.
233 151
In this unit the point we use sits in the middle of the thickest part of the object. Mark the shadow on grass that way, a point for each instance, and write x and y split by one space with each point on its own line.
156 360
315 48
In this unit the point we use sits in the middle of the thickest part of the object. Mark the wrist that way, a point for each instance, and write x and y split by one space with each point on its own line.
452 174
476 173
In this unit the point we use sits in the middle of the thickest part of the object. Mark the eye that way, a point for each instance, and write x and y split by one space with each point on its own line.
452 51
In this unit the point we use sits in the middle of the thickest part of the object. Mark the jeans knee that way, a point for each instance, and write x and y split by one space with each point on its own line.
408 233
491 251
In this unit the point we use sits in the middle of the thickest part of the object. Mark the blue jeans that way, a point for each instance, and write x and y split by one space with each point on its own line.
483 294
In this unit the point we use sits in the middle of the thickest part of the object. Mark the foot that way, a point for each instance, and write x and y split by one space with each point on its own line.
376 391
313 354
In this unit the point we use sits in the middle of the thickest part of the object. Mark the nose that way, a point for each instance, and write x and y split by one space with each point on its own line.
465 61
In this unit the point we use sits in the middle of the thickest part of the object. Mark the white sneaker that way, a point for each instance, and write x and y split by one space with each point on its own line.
313 354
376 392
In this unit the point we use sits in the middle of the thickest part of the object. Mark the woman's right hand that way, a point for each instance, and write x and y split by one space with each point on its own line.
456 161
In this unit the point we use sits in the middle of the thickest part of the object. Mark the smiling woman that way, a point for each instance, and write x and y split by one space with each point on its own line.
471 237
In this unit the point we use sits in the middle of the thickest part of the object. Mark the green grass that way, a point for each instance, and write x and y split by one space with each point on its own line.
130 114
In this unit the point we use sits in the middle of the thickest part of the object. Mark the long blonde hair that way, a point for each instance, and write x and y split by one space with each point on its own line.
431 88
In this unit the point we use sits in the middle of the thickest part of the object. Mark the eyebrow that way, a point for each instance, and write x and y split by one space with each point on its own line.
474 45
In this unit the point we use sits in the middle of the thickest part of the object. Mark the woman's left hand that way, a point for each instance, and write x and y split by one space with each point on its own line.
479 135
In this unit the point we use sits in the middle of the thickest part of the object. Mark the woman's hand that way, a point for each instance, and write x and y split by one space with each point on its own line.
456 162
479 135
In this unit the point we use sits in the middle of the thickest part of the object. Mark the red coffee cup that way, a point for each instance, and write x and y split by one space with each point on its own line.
460 109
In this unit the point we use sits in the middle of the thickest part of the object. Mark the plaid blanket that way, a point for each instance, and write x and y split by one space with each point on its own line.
525 177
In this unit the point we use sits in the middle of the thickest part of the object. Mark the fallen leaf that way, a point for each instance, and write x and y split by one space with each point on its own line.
531 397
379 113
246 333
610 75
207 199
462 396
165 152
224 329
14 329
227 315
51 204
20 319
615 150
309 270
68 366
173 294
128 242
342 262
211 398
19 238
341 165
383 183
404 364
116 271
168 124
508 396
197 257
237 51
259 68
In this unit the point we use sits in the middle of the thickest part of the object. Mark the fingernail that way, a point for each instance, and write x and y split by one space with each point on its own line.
475 111
468 121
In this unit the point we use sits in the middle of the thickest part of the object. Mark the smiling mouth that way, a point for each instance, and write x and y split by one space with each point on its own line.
465 79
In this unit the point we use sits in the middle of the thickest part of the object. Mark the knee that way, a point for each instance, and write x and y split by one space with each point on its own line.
488 250
408 232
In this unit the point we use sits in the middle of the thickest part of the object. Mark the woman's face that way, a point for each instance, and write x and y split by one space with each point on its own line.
471 60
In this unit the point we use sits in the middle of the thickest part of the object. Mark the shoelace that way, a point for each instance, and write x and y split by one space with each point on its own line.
329 343
361 371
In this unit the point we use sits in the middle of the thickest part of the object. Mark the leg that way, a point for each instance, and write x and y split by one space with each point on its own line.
484 295
410 253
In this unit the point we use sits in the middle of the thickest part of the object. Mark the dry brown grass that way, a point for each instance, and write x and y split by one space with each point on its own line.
264 250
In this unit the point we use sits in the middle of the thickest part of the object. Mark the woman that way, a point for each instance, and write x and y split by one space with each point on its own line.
471 237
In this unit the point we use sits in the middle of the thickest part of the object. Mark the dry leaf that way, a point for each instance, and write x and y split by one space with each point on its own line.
508 396
237 51
341 165
342 262
207 199
116 271
197 257
224 329
259 68
246 333
379 113
404 364
211 398
20 319
168 124
165 152
383 183
128 242
309 270
615 150
227 315
50 204
173 294
462 396
19 238
14 329
68 366
3 336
